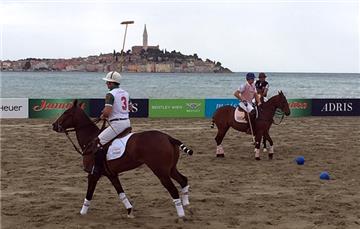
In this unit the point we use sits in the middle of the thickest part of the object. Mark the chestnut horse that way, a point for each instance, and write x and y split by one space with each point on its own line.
224 119
159 151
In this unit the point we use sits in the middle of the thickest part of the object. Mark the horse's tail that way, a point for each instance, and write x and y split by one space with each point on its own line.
181 145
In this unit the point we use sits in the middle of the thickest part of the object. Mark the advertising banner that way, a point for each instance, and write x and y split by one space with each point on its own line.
52 108
300 107
177 108
96 106
335 107
212 104
140 108
14 108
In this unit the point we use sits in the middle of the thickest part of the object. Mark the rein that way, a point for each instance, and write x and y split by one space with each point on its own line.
72 142
81 152
279 115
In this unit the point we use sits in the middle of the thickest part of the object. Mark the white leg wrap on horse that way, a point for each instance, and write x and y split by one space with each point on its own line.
85 207
179 207
271 150
257 152
125 200
185 195
219 149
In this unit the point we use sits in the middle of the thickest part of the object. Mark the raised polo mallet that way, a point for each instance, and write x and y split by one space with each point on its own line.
126 23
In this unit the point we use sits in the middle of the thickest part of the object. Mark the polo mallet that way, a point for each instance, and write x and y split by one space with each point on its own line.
252 132
122 59
112 127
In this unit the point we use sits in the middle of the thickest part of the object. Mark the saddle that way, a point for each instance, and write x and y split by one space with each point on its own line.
93 147
95 143
241 116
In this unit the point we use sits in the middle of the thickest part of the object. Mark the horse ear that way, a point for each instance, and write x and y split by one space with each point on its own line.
75 103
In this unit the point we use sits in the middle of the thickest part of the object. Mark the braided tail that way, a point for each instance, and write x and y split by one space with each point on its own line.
181 145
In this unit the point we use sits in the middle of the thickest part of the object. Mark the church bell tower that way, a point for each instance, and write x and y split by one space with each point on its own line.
145 39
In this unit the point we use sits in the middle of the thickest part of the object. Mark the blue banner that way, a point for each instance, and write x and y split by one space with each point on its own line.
212 104
140 108
96 106
335 107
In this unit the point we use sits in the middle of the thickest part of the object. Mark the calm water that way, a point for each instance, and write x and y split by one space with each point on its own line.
174 85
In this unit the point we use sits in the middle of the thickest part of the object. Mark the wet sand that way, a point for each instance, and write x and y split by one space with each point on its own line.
43 184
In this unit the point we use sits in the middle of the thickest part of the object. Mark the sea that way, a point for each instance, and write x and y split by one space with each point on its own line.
175 85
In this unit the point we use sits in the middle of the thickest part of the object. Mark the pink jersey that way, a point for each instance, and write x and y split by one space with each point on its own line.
247 91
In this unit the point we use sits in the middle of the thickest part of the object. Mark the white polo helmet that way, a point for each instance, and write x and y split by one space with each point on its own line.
113 76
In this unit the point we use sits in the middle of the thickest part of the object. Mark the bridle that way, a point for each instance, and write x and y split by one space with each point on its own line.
66 131
279 114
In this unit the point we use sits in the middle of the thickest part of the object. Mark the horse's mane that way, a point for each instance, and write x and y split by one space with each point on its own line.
275 97
272 99
84 117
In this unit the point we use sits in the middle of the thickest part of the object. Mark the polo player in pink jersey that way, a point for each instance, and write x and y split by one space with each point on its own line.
246 93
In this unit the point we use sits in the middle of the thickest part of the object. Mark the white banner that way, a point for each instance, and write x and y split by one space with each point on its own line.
14 108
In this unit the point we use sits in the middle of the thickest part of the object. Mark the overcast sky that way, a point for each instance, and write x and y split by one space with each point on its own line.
270 36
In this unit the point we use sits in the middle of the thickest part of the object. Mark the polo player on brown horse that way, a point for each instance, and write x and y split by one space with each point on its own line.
159 151
224 118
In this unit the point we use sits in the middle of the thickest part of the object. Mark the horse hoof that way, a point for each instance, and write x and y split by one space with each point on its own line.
181 220
129 213
257 158
220 155
271 155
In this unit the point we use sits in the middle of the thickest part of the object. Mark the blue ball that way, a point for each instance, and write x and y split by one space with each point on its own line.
324 176
300 160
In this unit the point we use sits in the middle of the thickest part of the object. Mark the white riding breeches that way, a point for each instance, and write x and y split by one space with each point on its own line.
248 108
114 129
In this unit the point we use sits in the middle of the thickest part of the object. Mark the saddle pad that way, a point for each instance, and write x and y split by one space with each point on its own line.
239 116
117 147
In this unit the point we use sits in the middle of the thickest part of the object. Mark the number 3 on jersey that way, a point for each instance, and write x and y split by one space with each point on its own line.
124 103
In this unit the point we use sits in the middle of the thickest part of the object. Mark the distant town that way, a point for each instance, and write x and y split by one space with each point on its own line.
141 58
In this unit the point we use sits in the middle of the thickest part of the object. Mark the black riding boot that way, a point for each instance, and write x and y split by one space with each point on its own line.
100 156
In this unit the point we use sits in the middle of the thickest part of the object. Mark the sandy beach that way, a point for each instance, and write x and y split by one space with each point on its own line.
43 184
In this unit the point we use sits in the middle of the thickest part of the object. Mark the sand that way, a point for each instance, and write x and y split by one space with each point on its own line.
43 184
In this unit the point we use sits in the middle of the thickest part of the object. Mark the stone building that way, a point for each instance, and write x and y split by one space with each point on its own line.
138 48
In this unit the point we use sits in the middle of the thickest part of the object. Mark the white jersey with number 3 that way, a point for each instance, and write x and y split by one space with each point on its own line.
120 108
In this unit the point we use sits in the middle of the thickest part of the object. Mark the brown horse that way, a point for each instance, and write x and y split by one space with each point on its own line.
159 151
224 119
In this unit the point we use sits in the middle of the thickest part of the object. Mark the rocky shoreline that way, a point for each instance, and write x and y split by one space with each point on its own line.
152 60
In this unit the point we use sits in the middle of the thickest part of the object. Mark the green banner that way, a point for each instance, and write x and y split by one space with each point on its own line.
52 108
300 107
177 108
